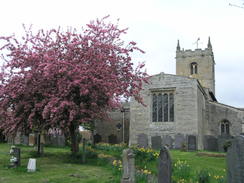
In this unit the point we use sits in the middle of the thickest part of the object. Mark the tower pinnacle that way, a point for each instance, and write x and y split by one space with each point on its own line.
178 45
209 43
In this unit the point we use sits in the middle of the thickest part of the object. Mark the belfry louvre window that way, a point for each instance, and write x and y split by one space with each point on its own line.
193 66
163 107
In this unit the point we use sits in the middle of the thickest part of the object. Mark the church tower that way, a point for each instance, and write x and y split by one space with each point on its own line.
197 64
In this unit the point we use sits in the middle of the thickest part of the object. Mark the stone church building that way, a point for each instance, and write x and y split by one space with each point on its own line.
181 110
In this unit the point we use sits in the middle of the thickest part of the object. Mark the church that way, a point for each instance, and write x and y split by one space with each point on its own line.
181 110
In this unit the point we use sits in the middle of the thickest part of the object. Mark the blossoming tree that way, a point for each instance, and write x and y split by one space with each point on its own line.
61 79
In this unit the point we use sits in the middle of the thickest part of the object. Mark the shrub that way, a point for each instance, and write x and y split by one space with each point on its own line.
226 145
203 176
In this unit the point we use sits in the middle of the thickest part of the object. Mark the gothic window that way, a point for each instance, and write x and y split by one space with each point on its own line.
225 127
193 68
163 107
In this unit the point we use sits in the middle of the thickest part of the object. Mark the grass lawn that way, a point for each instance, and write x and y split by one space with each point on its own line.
54 167
214 166
57 166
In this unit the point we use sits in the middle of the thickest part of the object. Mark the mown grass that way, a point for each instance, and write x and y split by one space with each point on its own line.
56 166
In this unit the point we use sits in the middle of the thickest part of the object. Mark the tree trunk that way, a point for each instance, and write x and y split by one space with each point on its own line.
74 139
84 150
39 143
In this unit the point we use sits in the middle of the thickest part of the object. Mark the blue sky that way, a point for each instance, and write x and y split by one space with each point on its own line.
155 25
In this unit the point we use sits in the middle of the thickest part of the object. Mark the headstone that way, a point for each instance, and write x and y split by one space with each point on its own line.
57 140
210 143
156 142
42 139
97 138
25 140
180 140
31 139
164 166
17 138
15 157
60 140
235 161
31 167
142 140
112 139
191 143
128 166
168 141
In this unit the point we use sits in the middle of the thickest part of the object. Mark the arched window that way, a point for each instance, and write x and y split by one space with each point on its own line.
225 127
193 68
163 106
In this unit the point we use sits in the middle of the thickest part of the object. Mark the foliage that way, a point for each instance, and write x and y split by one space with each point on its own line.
226 145
181 170
203 176
61 79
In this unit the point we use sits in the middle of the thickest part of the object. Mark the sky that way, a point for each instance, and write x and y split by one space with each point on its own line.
155 25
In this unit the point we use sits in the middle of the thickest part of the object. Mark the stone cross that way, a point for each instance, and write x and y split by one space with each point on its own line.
164 166
128 166
235 161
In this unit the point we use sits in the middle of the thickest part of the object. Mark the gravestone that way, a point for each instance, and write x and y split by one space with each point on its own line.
191 143
164 166
32 139
25 140
97 138
235 161
156 142
61 141
112 139
180 140
31 167
128 166
210 143
142 140
168 141
15 157
17 138
57 140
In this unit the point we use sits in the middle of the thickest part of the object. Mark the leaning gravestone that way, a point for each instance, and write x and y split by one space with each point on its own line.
180 140
235 161
128 166
191 143
156 142
165 166
142 140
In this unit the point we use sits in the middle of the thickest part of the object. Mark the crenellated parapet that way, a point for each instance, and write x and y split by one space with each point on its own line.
194 53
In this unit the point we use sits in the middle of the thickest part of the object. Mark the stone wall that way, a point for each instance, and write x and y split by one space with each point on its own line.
218 112
215 114
185 107
201 118
111 130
